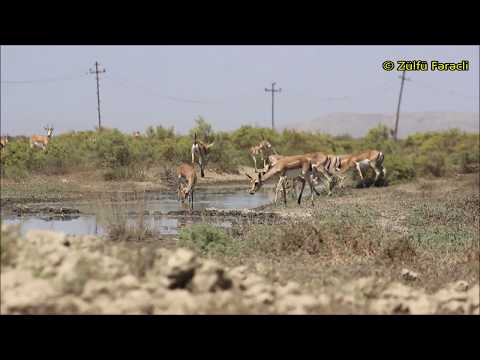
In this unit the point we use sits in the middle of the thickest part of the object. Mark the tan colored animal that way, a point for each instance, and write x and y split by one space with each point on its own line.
265 150
334 170
289 166
136 134
41 141
3 142
290 184
187 179
372 158
201 151
320 164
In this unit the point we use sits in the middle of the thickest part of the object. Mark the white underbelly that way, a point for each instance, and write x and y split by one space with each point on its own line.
363 163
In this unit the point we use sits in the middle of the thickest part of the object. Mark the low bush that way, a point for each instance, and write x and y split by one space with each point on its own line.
124 156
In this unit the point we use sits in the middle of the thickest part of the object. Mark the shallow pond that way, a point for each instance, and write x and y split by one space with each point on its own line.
92 220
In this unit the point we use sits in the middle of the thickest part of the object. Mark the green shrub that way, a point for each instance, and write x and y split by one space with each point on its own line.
123 156
205 238
399 168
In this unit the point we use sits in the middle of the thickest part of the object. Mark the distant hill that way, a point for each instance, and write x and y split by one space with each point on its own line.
357 125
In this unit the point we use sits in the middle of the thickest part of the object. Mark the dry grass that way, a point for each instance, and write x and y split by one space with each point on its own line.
372 232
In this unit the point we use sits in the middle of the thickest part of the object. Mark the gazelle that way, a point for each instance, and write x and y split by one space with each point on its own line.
187 179
265 150
290 184
202 151
320 163
372 158
41 141
3 142
289 166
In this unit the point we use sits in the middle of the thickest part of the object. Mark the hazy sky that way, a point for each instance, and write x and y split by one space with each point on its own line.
172 85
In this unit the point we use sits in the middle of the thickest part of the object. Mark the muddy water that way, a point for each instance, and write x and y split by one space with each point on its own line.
89 223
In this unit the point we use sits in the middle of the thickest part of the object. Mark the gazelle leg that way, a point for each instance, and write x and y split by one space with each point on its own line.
284 192
301 191
357 164
315 172
377 172
277 190
294 187
308 177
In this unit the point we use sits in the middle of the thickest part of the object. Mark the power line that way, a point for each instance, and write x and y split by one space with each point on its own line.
395 134
47 80
273 91
96 72
426 85
167 97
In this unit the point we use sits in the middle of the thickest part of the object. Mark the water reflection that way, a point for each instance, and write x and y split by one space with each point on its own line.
164 202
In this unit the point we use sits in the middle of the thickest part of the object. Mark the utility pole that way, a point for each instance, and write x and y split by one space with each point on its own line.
273 91
395 134
96 72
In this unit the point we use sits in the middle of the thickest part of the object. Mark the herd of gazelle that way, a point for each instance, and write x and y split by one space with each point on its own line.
311 168
289 170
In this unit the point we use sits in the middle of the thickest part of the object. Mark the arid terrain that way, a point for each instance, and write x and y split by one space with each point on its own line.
411 248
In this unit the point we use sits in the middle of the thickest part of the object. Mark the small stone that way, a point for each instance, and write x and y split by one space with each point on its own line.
31 297
210 277
128 282
461 286
95 288
238 273
180 268
176 302
250 281
444 296
291 288
398 291
409 275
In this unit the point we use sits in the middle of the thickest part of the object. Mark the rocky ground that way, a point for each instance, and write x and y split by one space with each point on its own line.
50 273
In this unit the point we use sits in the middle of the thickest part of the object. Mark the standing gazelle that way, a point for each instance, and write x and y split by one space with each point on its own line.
320 163
289 166
41 141
187 179
265 150
202 151
3 142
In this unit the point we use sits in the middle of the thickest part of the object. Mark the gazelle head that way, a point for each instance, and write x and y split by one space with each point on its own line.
266 145
255 184
209 146
49 130
182 193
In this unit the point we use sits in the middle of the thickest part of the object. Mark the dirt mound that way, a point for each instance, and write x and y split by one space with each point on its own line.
46 272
